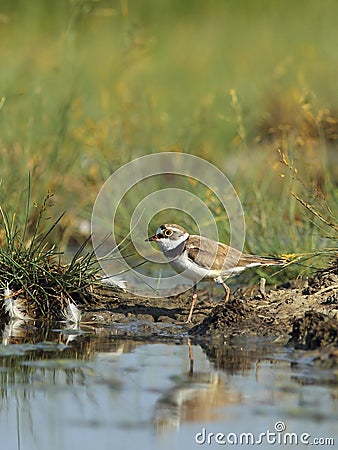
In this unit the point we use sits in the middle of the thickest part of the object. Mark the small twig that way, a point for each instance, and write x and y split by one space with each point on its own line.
262 291
329 288
13 294
314 212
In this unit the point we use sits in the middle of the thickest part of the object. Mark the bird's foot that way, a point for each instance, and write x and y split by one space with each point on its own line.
183 322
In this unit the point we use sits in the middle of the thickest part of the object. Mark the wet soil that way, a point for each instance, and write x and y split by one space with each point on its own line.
303 316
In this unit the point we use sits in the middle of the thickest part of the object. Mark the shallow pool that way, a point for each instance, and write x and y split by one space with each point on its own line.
102 388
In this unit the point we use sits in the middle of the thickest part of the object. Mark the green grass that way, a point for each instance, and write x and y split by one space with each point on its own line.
33 275
86 86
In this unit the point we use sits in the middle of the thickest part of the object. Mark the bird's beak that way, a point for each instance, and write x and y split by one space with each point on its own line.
152 238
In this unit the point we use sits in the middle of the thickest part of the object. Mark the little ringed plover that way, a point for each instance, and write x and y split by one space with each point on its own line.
199 258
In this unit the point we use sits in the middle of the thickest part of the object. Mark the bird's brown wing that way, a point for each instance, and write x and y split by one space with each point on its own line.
221 257
212 255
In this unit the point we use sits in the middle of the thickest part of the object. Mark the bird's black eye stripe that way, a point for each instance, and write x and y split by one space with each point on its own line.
159 236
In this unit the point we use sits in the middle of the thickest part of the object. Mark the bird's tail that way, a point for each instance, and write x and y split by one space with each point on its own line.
271 261
256 260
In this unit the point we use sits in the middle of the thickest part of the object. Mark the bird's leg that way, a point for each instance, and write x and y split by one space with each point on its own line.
227 292
219 280
191 358
193 301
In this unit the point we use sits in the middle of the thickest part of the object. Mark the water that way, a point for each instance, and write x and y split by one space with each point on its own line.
101 388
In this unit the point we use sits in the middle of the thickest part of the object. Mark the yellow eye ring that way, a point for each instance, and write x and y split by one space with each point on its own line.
168 233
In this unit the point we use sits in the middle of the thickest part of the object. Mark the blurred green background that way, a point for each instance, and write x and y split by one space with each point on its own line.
86 86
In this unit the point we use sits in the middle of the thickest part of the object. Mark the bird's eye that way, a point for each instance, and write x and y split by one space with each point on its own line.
167 233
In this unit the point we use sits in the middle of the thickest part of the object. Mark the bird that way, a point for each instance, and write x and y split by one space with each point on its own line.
198 258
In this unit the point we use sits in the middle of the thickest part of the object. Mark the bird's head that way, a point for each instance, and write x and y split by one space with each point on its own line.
169 236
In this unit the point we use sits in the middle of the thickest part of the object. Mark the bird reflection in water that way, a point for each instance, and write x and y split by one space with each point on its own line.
196 397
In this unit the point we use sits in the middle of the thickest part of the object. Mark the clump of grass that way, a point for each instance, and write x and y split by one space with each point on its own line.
32 275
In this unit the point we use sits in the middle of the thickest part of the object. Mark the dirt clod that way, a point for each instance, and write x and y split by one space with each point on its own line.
314 330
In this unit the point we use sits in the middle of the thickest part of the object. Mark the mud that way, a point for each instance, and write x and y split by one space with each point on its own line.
303 316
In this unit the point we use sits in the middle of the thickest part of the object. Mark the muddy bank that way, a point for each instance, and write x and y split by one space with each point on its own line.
305 316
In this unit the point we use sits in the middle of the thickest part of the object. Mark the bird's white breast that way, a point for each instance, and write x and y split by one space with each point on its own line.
189 269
